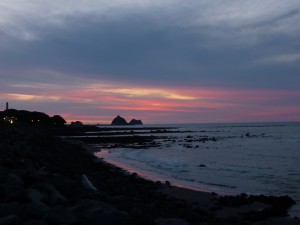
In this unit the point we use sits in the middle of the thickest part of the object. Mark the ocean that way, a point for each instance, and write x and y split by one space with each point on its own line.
226 158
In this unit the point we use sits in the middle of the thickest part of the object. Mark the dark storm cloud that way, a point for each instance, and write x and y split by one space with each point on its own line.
210 46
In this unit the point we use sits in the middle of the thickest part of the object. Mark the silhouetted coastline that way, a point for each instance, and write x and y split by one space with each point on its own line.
23 117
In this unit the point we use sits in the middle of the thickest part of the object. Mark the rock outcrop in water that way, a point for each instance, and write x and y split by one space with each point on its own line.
120 121
135 122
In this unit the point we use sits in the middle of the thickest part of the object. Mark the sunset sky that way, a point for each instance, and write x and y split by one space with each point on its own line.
161 61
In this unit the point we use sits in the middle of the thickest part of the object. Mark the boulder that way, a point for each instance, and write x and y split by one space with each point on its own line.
110 218
35 210
87 183
59 215
10 208
54 196
171 221
34 222
85 208
34 195
9 220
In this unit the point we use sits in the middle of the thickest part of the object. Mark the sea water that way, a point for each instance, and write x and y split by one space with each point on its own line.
253 158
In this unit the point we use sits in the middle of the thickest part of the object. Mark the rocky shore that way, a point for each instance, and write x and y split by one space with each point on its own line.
45 180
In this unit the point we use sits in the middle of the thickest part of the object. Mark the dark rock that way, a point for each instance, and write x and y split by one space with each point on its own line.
34 222
110 218
278 201
86 208
141 218
168 183
14 179
35 209
2 193
57 198
171 221
59 215
54 196
136 212
135 122
87 183
10 208
9 220
119 121
34 195
76 123
120 200
13 190
202 165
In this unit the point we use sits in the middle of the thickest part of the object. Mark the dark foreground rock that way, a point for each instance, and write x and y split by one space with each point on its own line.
44 180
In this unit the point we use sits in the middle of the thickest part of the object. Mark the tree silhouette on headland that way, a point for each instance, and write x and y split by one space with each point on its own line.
23 117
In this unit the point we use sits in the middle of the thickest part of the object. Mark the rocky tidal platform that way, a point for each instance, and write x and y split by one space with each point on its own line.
46 180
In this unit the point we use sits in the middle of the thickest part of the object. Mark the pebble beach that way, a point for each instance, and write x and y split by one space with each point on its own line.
48 180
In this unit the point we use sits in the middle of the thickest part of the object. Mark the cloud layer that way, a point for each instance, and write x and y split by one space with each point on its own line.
152 56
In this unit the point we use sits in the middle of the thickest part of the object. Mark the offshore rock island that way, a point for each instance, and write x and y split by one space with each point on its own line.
120 121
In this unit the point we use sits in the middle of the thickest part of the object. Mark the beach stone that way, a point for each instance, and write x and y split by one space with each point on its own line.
59 215
34 195
2 193
10 208
202 165
30 175
87 183
13 188
14 179
53 195
34 222
110 218
13 192
63 183
57 198
140 218
9 220
85 208
171 221
3 172
136 212
37 209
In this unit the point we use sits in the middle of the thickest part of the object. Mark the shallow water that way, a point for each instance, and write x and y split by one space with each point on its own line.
254 158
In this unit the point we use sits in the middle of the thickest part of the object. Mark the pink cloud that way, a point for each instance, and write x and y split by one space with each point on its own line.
94 103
